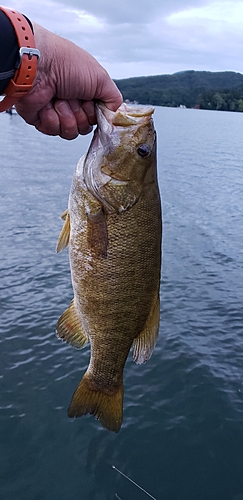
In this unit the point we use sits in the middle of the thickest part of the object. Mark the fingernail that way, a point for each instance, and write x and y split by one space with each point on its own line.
62 107
75 105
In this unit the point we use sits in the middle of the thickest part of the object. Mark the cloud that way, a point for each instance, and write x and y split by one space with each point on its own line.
210 35
218 12
140 38
131 11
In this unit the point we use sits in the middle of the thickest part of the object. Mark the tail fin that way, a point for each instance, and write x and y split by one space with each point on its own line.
107 408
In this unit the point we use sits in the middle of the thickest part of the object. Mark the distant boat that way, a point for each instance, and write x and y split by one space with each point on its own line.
11 111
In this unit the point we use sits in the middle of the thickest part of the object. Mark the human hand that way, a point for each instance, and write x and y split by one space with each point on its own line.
68 80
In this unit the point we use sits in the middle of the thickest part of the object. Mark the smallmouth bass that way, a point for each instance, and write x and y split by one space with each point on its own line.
113 229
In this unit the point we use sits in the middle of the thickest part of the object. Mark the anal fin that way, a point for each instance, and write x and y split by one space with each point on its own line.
70 329
63 239
144 343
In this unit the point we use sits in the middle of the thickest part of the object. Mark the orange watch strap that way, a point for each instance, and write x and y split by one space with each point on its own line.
24 75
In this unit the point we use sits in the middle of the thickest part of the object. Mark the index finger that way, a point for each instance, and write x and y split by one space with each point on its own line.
110 95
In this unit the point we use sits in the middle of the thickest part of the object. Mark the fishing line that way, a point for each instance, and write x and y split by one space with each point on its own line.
133 482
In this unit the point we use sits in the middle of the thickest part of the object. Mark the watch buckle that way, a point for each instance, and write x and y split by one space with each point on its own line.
30 53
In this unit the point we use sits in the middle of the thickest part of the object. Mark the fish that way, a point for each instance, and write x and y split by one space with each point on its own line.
113 228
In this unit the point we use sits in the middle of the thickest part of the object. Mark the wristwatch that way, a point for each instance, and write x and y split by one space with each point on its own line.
25 72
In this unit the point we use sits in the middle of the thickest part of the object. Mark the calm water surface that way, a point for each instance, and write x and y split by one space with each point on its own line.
182 436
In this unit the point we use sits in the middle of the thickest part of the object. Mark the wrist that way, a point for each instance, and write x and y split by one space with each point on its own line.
25 68
45 42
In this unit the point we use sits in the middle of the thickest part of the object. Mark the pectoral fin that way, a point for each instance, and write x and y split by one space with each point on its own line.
63 239
70 329
144 344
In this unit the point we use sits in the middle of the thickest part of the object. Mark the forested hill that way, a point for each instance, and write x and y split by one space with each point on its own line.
202 89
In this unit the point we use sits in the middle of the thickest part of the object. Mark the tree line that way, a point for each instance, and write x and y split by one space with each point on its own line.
201 89
229 100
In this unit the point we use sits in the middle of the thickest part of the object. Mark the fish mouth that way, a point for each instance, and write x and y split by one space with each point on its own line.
125 116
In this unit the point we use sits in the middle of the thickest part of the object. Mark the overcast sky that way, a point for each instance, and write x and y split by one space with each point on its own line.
147 37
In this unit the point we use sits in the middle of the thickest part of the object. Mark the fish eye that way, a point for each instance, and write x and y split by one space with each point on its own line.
144 150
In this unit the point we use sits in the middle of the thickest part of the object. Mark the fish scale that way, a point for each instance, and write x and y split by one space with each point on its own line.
113 228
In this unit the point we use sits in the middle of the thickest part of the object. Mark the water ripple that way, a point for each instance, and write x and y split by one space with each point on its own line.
182 432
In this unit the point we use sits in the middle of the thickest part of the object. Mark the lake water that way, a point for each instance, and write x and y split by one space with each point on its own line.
182 434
